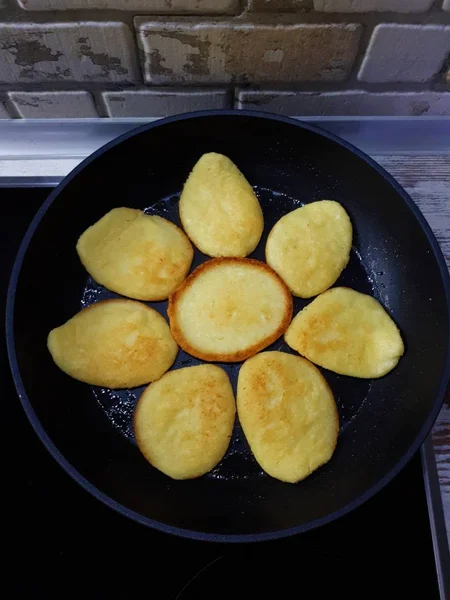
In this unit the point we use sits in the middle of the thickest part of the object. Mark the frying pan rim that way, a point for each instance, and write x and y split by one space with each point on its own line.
120 508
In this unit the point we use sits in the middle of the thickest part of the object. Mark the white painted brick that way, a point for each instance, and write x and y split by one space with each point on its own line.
188 51
4 114
280 5
151 6
399 53
163 102
400 6
346 103
53 105
52 52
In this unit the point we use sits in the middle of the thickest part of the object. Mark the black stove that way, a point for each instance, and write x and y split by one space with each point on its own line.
61 542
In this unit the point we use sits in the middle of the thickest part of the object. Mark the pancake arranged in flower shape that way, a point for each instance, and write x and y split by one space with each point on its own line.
219 209
115 343
141 256
310 246
229 309
288 414
183 421
347 332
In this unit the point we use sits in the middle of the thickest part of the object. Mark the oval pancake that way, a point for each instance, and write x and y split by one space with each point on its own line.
228 309
347 332
219 209
288 414
183 421
115 343
137 255
310 246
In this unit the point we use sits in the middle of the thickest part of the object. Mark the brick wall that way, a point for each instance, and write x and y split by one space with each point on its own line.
128 58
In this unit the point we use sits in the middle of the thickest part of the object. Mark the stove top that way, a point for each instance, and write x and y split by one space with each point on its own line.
62 541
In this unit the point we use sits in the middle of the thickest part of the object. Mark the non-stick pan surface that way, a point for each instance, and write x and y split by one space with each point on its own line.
395 257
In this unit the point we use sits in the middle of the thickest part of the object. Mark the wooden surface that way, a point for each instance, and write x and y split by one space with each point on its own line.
427 180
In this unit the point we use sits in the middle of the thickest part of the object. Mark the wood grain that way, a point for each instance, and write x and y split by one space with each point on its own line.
427 180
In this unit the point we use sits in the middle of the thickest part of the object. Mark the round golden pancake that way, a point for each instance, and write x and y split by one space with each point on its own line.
347 332
219 209
288 414
183 421
228 309
115 344
310 246
137 255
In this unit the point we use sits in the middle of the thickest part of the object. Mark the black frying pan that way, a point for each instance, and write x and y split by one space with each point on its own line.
395 257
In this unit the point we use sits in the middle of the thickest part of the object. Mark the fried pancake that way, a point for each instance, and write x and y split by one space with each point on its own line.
347 332
183 421
228 309
137 255
288 414
219 209
310 246
116 344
